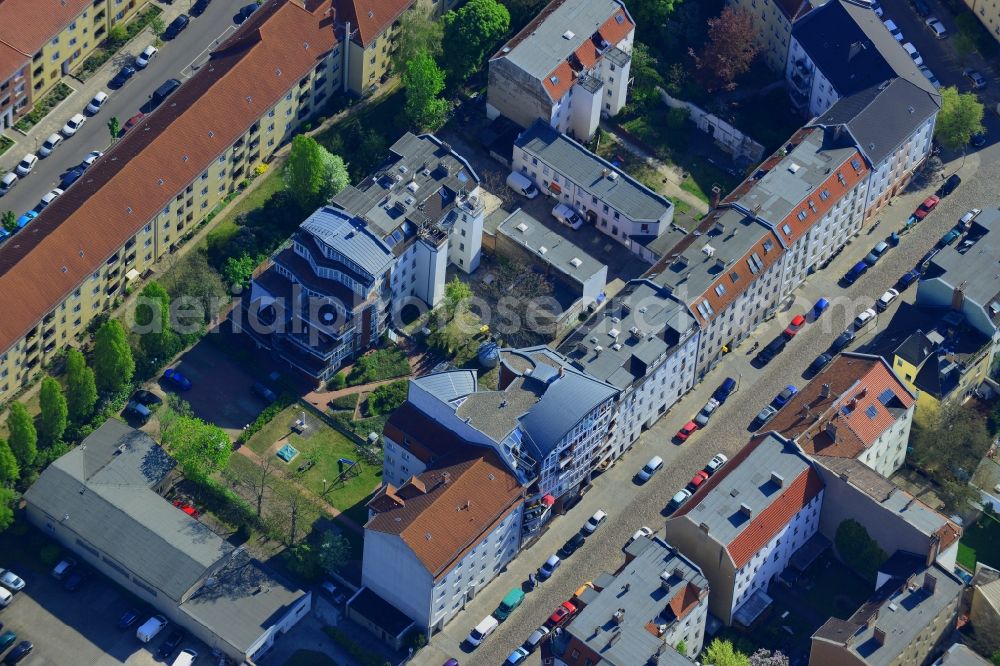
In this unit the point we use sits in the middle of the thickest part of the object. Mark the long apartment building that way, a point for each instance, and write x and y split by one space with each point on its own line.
569 67
43 41
614 202
137 202
988 13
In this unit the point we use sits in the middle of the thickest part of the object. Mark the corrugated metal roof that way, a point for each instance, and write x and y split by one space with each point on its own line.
446 386
351 238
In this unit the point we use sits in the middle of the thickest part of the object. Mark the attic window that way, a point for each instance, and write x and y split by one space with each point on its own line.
871 412
159 181
824 195
802 215
305 45
210 134
854 161
64 269
886 397
619 19
277 71
554 80
569 34
129 210
787 229
734 277
249 99
184 158
371 14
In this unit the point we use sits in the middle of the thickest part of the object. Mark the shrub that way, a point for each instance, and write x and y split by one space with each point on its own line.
386 363
386 398
338 382
347 402
272 410
362 655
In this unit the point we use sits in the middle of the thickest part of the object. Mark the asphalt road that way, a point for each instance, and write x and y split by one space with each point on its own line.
174 60
629 506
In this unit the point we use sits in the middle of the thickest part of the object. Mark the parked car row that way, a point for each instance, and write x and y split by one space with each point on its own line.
700 477
10 585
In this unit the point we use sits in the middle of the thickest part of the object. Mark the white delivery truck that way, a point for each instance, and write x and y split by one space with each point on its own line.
522 185
150 628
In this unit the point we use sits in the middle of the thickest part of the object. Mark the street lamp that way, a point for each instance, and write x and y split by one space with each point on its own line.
324 486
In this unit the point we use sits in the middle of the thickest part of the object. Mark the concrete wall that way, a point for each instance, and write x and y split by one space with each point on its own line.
713 560
728 137
392 571
515 95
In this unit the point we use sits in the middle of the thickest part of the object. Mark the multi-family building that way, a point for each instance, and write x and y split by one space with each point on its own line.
104 502
370 31
567 68
42 42
745 523
855 408
432 543
846 68
903 623
773 20
988 13
157 183
614 202
653 606
960 654
644 343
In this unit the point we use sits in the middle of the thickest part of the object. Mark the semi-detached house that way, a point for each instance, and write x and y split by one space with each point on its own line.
157 183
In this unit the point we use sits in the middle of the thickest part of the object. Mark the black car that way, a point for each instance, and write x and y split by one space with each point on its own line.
71 177
176 26
978 140
772 349
172 643
907 279
199 7
922 8
844 339
129 619
949 185
144 397
244 13
572 545
821 362
73 581
122 77
264 393
22 650
164 91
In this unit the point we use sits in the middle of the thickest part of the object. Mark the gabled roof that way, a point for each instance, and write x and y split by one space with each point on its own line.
370 18
915 348
144 171
420 434
769 477
103 492
27 25
845 408
442 513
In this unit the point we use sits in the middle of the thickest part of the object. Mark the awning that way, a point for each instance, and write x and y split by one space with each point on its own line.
132 274
548 500
555 188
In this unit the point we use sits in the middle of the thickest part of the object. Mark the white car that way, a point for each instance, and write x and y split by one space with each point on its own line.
717 461
49 198
11 580
936 27
95 104
147 55
964 222
639 533
683 495
90 158
8 182
49 145
890 25
930 77
913 53
863 319
885 299
73 125
595 521
25 166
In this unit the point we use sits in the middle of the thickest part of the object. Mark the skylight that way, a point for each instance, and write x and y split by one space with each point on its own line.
886 396
871 412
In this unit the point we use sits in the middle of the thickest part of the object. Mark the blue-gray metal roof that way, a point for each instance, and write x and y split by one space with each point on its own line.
351 238
447 386
567 157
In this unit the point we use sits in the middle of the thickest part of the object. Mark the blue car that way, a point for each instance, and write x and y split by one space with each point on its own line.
782 398
907 279
176 379
22 221
71 177
856 271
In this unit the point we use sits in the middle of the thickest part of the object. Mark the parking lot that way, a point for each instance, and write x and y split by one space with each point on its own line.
78 628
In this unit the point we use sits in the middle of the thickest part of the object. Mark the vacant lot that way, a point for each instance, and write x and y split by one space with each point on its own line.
980 543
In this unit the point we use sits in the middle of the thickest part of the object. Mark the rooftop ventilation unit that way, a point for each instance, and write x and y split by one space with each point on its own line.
613 175
543 250
793 167
708 250
576 262
569 34
522 227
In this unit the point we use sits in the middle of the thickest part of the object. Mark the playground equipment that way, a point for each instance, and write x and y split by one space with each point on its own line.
348 468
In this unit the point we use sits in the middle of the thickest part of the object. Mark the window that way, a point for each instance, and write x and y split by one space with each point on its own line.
787 229
55 56
734 277
824 195
720 289
768 246
802 215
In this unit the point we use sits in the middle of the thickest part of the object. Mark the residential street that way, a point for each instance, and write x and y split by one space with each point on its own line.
173 61
630 506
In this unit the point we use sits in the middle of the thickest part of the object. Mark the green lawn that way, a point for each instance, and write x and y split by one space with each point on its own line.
270 183
325 445
980 543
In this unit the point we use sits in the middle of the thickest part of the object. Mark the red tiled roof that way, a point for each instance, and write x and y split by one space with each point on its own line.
26 25
564 78
11 60
793 9
370 17
463 501
614 31
775 517
855 384
142 173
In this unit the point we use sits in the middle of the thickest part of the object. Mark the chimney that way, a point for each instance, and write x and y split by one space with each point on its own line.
824 391
445 477
619 616
857 48
746 510
879 636
703 527
777 479
715 198
910 582
930 582
871 619
831 430
958 297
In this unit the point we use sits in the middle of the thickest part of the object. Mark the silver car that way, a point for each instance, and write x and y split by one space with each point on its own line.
11 580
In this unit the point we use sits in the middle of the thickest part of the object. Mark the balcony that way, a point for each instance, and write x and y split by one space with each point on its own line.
48 333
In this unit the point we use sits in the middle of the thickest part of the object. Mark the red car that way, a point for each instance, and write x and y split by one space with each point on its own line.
687 431
926 207
698 479
563 611
133 121
794 326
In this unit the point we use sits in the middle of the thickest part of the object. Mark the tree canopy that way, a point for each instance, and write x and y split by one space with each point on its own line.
858 550
53 421
949 446
960 117
157 339
731 48
200 448
10 471
470 35
114 365
81 389
419 33
722 653
7 497
23 439
456 293
424 81
313 175
333 552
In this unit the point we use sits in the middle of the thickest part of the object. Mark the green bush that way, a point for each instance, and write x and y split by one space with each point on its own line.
48 554
60 92
338 382
5 143
347 403
272 410
361 654
386 363
386 398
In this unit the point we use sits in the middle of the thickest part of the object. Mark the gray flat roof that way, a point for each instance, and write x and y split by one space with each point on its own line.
745 482
590 172
639 590
978 268
350 237
103 491
545 47
550 247
961 655
662 322
795 178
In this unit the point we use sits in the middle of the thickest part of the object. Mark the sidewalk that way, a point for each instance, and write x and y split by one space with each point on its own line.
83 92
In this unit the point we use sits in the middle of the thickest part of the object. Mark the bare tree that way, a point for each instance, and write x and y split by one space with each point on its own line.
495 183
255 479
291 500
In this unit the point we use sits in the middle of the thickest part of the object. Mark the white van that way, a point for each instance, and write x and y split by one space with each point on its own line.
482 630
185 658
567 216
150 628
522 185
5 597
